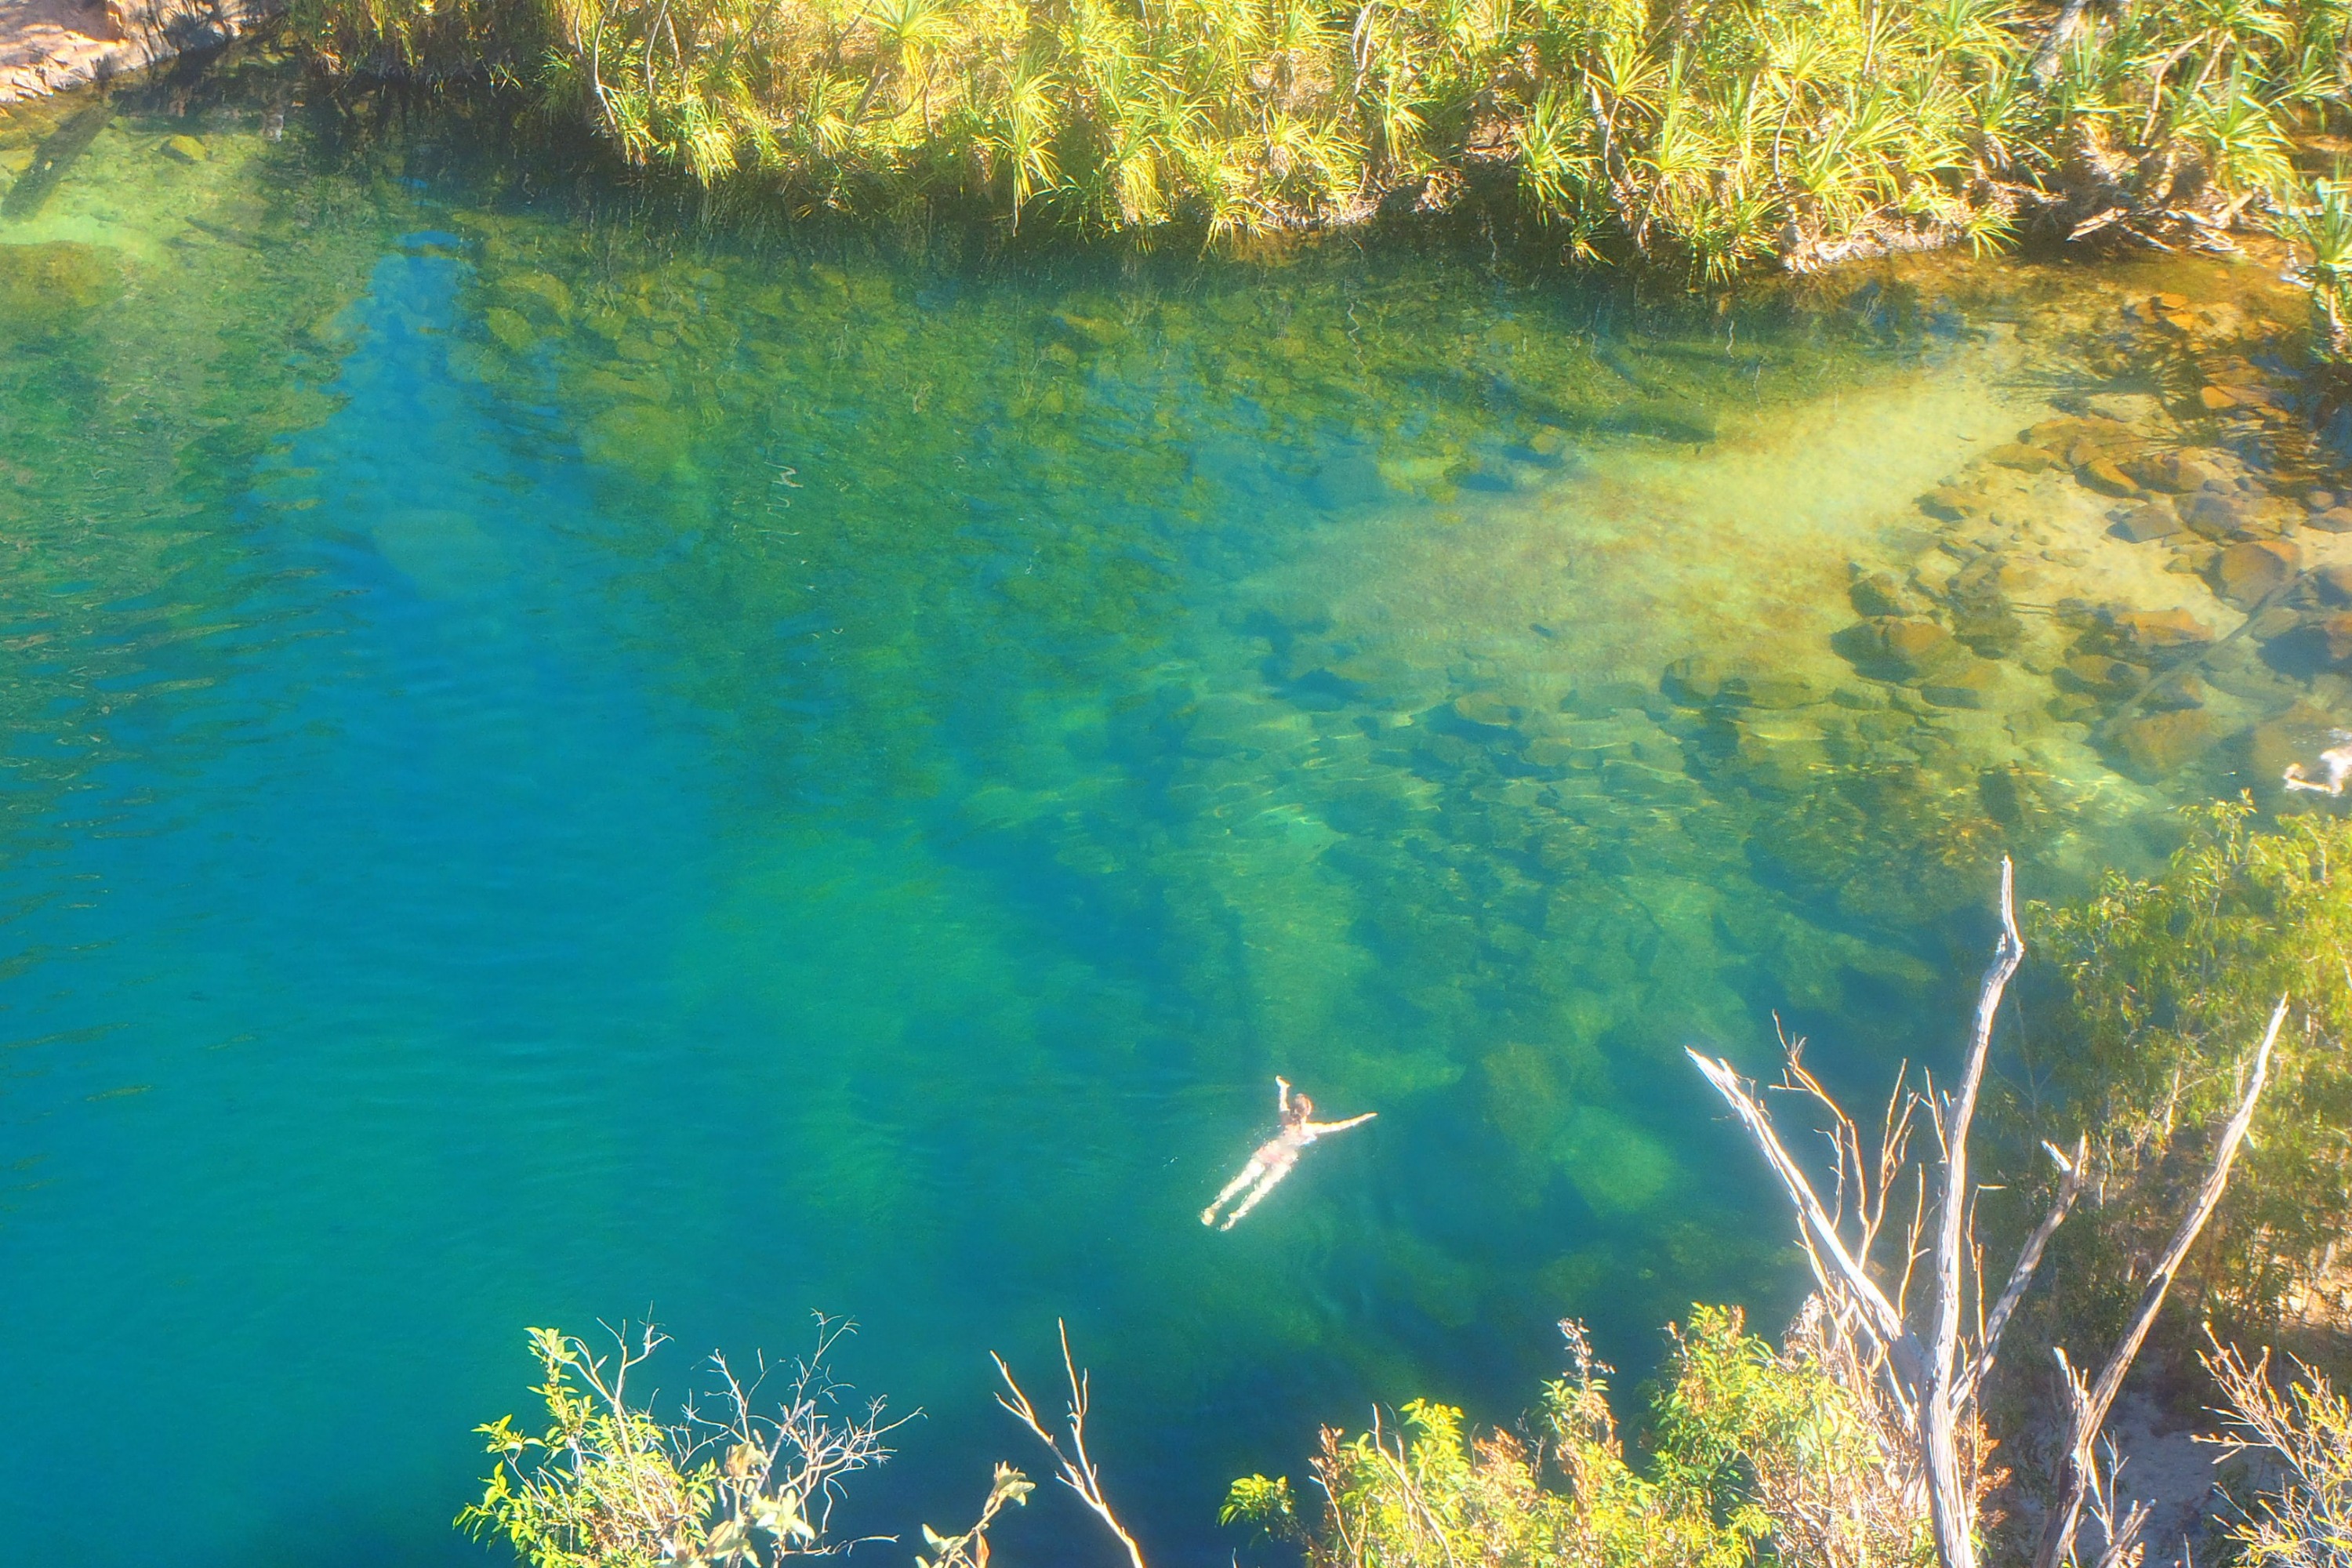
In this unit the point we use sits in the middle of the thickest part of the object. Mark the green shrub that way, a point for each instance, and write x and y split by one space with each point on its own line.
2170 981
1752 1450
608 1484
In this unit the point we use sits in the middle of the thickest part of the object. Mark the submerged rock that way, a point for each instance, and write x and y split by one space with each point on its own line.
2151 519
2178 473
1899 647
1968 685
2098 675
1777 690
2247 573
2324 641
1875 593
1694 680
1484 711
2333 584
2157 745
1950 503
2294 736
54 284
2158 632
2024 459
509 327
2103 474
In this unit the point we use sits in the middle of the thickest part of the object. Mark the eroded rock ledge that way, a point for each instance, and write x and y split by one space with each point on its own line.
49 46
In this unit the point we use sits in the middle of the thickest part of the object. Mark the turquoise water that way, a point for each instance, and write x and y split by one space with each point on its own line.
559 769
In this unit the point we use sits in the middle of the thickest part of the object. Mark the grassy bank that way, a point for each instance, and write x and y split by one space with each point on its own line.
1702 133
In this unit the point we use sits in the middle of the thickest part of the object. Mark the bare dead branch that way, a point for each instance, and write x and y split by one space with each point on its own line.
2078 1472
1951 1510
2029 1258
1078 1467
1844 1273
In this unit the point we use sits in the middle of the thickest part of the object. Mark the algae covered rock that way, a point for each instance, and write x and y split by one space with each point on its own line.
509 327
2097 674
1778 689
1899 647
55 284
2103 474
2153 747
2158 632
2177 473
1964 685
643 438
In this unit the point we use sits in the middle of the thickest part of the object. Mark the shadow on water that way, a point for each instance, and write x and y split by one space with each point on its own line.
54 158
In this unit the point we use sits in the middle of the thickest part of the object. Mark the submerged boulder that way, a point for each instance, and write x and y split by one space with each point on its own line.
2158 633
2151 519
1899 647
2247 573
2177 473
2098 675
2157 745
57 283
1969 684
1777 688
2103 474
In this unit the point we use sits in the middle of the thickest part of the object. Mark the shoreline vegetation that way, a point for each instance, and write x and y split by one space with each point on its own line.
1695 133
1868 1434
1698 137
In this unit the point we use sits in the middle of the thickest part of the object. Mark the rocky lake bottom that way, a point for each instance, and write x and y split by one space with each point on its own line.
563 764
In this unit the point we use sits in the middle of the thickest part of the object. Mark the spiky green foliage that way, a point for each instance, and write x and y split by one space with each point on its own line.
1716 133
2318 221
2170 980
1751 1448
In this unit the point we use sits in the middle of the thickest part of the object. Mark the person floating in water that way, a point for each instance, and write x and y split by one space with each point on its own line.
1278 1155
2335 762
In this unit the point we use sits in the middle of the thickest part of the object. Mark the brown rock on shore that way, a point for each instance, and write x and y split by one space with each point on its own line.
52 46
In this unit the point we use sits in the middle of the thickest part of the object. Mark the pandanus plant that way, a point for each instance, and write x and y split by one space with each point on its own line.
1714 135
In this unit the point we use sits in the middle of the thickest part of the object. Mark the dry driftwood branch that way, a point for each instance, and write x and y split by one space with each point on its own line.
1952 1510
2078 1476
2123 1548
1842 1274
2029 1258
1934 1384
1078 1467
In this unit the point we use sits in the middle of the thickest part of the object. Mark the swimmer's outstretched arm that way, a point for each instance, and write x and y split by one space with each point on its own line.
1282 1098
1325 1129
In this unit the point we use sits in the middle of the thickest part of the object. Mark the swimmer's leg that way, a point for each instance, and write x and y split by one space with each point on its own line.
1250 1172
1266 1183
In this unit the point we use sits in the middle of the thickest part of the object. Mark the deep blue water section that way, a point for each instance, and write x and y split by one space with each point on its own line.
554 776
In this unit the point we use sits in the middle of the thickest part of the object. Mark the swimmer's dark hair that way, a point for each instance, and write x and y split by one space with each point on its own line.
1301 1107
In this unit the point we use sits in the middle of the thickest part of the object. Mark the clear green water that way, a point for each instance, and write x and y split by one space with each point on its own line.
555 773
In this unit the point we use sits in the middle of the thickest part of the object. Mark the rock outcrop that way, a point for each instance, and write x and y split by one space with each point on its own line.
49 46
